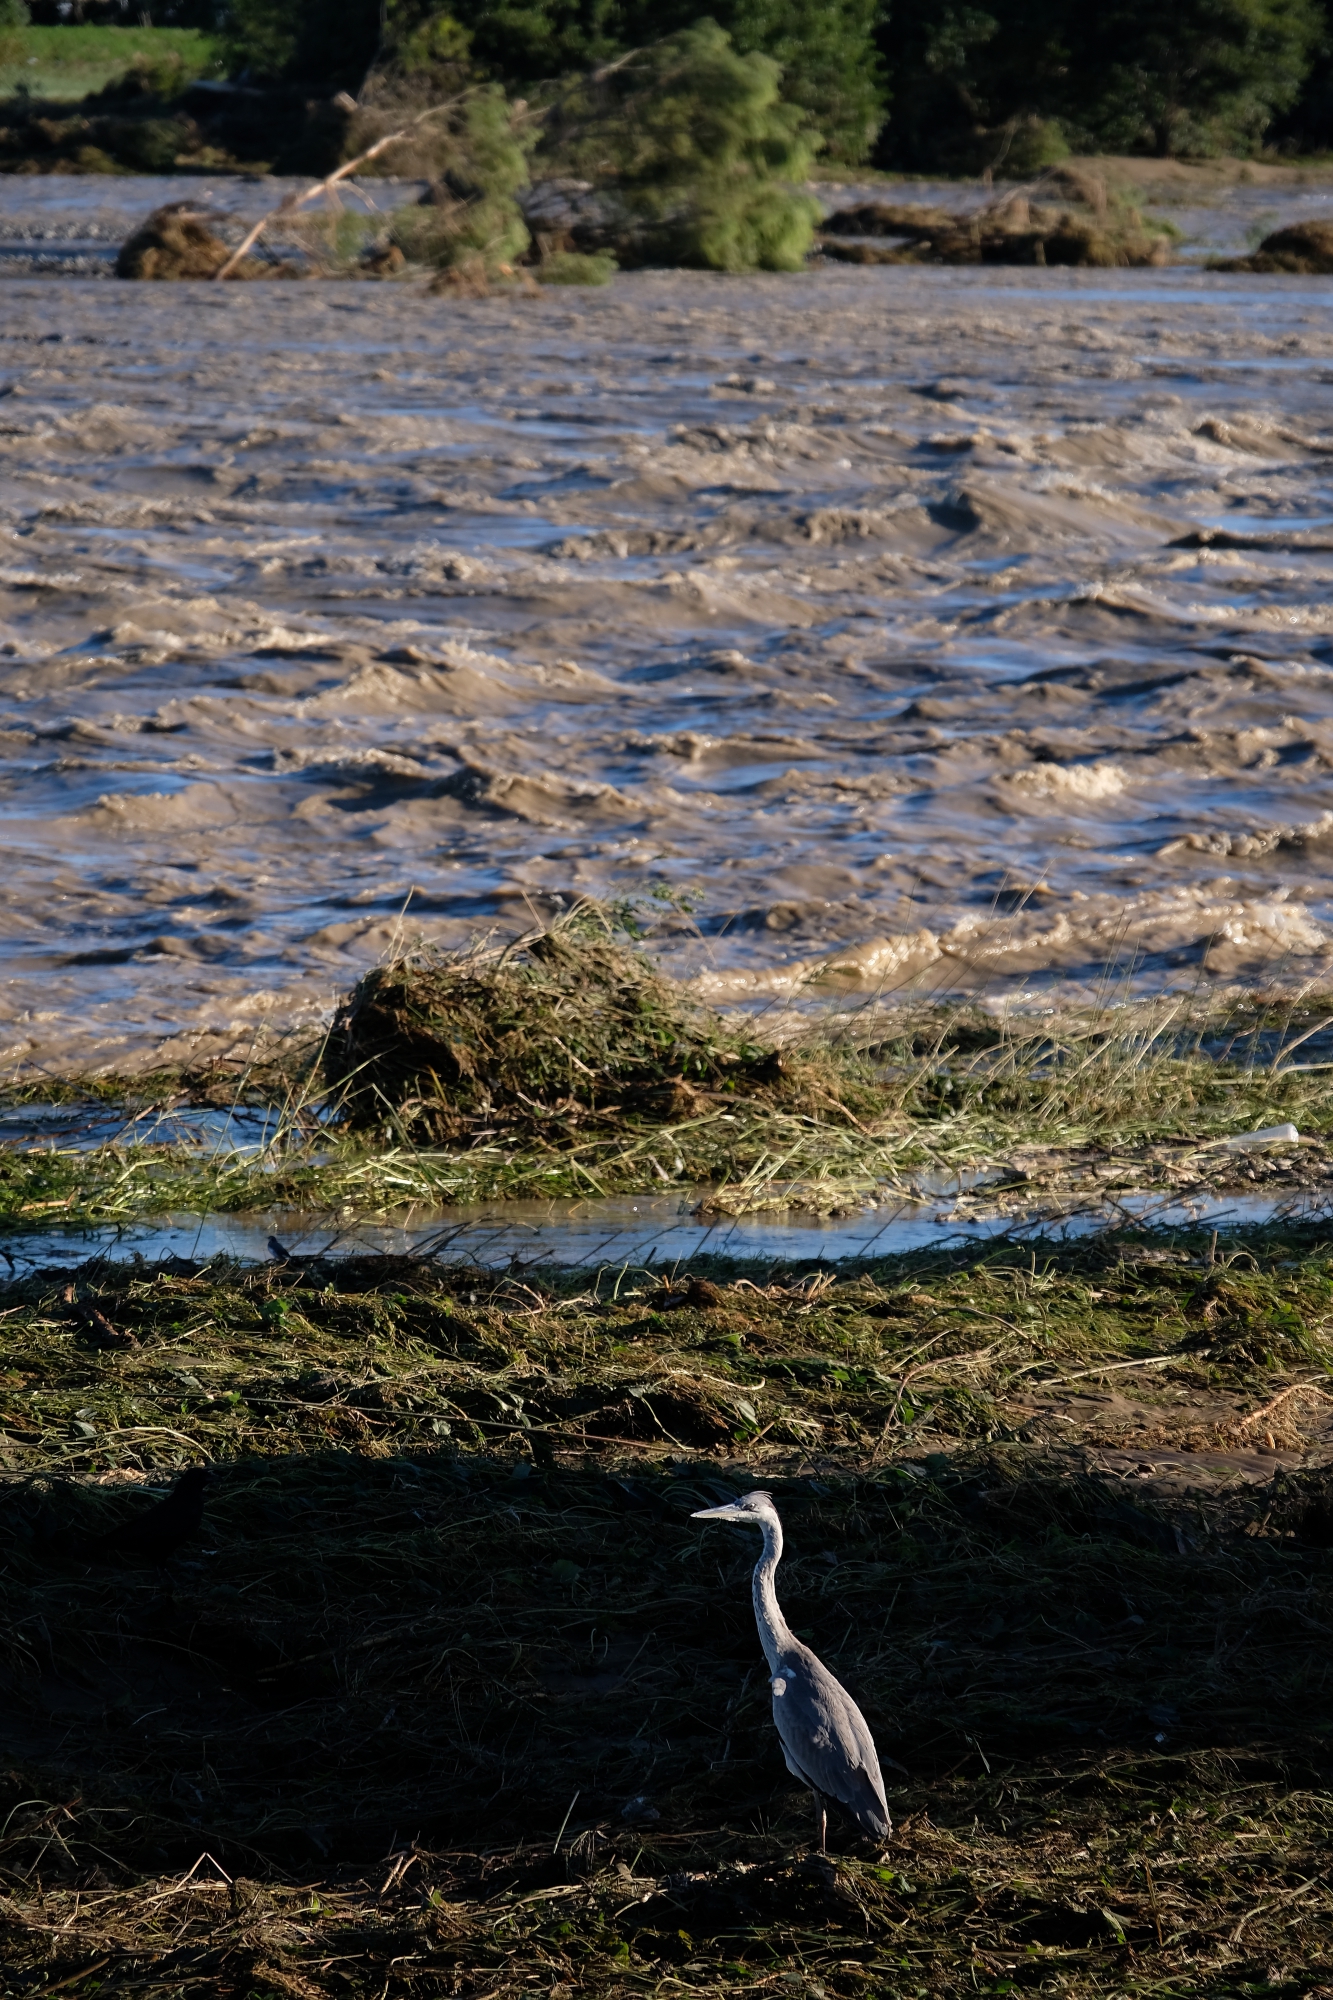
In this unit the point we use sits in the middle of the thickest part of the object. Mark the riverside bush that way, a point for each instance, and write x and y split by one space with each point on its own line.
470 216
695 144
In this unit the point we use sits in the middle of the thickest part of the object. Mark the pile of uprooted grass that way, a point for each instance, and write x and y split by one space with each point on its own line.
1303 249
538 1040
453 1697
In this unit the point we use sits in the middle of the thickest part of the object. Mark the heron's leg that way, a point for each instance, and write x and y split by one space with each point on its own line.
821 1820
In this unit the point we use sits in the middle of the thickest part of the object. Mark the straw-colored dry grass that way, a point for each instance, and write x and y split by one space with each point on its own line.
453 1697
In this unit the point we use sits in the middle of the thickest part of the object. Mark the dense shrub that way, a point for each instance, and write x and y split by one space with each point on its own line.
470 217
695 145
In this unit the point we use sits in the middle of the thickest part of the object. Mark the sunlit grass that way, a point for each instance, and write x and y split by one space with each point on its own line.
869 1107
66 63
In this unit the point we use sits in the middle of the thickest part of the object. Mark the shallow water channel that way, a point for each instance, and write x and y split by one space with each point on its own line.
656 1232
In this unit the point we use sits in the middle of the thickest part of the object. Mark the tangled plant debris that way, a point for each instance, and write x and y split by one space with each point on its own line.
1304 249
1094 225
568 1028
176 242
449 1696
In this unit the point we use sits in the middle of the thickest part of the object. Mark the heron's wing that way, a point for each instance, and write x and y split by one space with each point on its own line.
826 1739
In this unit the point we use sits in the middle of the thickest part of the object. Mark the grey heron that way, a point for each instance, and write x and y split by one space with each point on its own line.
825 1738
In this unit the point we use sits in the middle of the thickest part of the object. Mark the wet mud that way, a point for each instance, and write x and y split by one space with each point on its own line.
953 629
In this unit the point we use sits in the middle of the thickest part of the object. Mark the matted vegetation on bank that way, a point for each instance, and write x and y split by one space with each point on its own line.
568 1063
452 1697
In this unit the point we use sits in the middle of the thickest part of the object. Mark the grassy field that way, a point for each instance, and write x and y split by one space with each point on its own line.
452 1697
72 62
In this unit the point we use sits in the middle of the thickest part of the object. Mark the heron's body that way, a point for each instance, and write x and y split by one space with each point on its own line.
825 1739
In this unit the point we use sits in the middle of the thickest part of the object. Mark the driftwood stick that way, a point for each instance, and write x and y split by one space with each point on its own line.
291 202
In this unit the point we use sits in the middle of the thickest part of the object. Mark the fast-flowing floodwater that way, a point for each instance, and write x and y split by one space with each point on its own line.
965 627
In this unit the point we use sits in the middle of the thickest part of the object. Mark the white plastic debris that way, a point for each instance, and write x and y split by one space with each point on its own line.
1270 1135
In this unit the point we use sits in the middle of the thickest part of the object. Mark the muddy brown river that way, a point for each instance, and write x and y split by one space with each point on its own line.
959 629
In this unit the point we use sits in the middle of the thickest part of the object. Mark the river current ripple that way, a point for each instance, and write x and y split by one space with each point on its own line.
961 629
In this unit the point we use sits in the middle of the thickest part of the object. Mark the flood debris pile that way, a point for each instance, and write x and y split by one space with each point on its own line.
1304 249
447 1583
570 1030
1091 225
177 242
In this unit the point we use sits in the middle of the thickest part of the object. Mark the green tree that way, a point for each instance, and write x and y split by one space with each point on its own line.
692 139
479 162
1205 76
831 67
972 85
826 48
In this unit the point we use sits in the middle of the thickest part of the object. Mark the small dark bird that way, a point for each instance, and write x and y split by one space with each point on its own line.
160 1530
278 1251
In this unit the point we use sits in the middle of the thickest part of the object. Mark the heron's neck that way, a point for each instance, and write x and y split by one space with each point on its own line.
774 1634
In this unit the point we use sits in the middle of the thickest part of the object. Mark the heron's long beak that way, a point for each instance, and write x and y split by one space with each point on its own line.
727 1513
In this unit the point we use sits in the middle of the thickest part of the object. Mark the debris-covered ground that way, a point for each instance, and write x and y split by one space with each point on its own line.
450 1695
1078 219
568 1064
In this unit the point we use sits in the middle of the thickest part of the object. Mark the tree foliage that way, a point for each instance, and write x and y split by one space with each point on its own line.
1004 84
825 49
692 139
1010 84
471 218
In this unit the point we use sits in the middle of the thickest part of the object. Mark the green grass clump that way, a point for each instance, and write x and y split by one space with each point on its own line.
571 267
453 1695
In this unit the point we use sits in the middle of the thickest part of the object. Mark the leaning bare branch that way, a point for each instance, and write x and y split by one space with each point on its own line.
291 202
